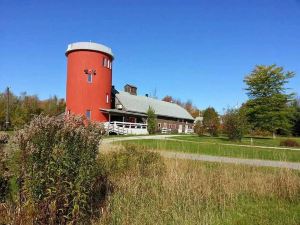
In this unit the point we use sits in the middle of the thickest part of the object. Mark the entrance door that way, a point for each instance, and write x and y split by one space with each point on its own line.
180 128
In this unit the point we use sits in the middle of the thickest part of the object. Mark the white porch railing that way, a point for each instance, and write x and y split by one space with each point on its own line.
125 128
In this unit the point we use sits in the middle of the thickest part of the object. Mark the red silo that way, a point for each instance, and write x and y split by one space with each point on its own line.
89 80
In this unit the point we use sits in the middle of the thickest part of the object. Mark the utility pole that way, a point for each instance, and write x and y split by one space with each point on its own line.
7 109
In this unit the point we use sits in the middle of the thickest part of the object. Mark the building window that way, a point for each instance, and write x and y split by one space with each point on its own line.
104 61
107 98
159 125
89 78
88 114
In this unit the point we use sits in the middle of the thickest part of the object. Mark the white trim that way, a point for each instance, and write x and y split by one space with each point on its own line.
89 46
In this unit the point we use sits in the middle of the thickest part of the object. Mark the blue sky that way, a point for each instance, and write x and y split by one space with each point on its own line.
196 50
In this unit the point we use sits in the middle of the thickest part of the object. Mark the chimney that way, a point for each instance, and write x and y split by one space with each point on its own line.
131 89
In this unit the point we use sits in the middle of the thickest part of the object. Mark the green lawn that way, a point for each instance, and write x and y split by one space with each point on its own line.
219 149
259 141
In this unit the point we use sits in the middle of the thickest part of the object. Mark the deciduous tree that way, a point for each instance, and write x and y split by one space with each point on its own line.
267 108
235 124
211 121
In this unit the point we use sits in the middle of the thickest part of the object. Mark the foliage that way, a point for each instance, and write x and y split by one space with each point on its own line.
59 169
4 137
267 108
4 188
4 185
296 118
151 121
188 105
289 143
199 128
211 121
24 107
260 133
235 124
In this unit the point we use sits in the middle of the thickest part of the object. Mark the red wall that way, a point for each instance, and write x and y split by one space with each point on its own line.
81 95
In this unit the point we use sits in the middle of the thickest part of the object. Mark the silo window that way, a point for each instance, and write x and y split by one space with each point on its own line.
90 78
107 98
88 114
105 62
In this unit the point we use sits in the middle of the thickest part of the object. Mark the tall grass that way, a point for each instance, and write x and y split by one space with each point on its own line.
206 193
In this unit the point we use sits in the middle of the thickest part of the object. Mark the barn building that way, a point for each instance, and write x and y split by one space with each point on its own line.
90 92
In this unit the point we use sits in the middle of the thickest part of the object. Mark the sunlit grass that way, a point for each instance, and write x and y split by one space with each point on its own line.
206 193
259 141
219 149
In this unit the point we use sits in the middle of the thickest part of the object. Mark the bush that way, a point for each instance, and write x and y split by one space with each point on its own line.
199 128
60 178
260 133
4 188
4 137
289 143
234 124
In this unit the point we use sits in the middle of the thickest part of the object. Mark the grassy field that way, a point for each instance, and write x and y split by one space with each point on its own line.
205 193
218 149
259 141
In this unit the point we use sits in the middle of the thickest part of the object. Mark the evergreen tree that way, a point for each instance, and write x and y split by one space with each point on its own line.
151 121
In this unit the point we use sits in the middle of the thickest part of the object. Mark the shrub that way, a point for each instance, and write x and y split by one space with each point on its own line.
199 128
3 188
4 137
59 169
4 185
234 124
259 132
289 143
